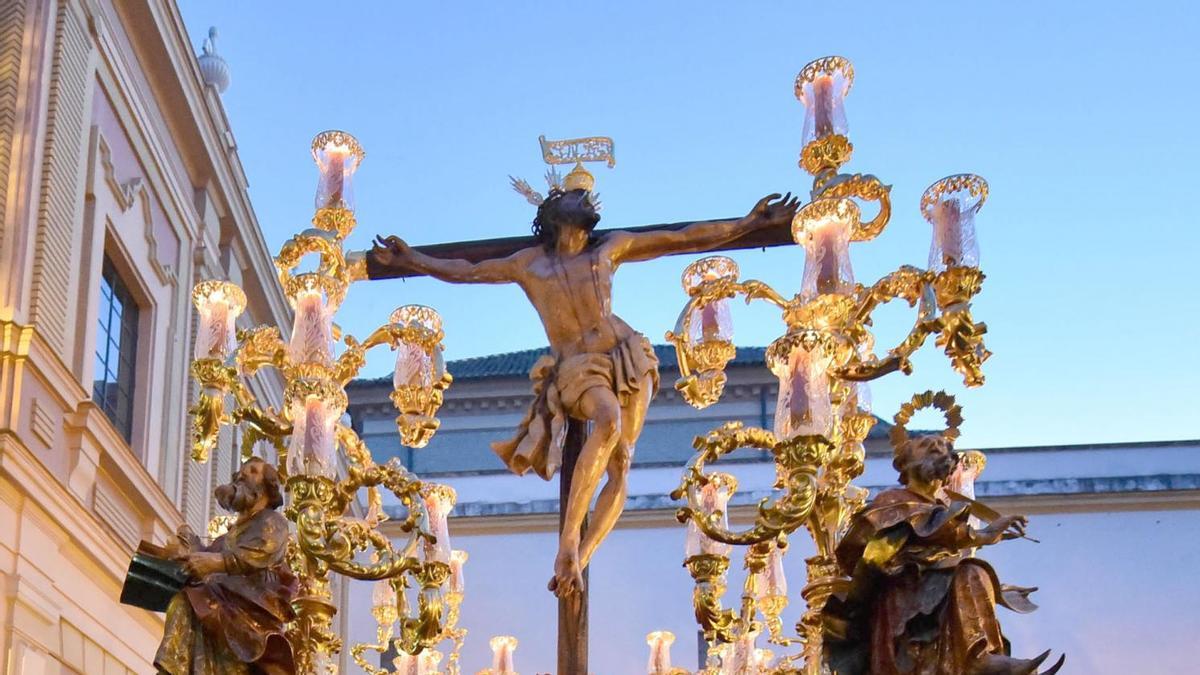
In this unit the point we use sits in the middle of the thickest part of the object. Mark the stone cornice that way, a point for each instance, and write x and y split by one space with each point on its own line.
24 346
62 509
1180 491
123 466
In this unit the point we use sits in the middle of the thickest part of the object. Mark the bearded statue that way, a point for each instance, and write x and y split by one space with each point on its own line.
229 618
919 603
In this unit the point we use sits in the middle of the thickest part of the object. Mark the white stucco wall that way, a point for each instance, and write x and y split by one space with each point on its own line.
1117 566
1119 593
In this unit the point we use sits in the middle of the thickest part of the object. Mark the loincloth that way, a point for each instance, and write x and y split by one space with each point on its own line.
558 385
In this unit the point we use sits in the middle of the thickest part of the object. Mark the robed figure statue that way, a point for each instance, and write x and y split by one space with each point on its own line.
229 618
919 602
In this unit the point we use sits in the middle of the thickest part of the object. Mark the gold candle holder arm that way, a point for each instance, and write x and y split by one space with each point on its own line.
943 301
754 289
866 187
708 571
326 244
702 366
353 358
325 536
381 647
798 459
208 413
960 336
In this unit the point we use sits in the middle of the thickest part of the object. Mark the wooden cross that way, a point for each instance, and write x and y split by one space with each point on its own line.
572 609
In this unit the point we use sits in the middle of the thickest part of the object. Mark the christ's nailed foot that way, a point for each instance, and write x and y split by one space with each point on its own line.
568 578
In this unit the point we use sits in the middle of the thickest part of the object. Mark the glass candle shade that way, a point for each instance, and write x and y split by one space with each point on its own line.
219 303
804 406
457 583
714 498
312 327
710 321
762 660
704 270
383 603
337 155
950 206
822 86
439 501
503 647
862 396
724 659
970 464
312 449
823 227
771 582
427 662
660 642
406 664
740 656
415 365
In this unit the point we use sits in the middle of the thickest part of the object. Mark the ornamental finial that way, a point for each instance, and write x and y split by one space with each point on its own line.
213 69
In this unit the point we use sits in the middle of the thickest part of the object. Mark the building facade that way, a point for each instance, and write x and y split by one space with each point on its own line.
1118 526
120 187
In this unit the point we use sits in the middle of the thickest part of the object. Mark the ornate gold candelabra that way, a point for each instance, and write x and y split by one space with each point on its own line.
388 596
823 361
323 462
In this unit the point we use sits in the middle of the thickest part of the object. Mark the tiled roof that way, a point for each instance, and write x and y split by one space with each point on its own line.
517 364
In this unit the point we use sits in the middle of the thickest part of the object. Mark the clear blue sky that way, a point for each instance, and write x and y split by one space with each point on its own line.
1082 117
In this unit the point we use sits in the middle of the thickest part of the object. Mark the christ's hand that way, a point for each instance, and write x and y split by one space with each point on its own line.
390 251
773 210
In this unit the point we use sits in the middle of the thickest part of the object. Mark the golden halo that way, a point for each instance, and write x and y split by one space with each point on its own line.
930 399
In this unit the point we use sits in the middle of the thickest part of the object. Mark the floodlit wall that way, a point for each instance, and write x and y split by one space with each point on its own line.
113 154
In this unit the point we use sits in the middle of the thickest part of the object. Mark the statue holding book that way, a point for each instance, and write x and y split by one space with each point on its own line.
229 616
918 601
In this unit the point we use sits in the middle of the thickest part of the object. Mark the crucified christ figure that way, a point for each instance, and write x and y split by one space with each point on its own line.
599 370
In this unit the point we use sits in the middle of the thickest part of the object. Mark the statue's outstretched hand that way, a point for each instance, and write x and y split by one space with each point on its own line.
774 210
389 251
1005 527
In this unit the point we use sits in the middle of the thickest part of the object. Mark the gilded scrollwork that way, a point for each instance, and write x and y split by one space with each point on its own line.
860 186
826 154
708 571
798 458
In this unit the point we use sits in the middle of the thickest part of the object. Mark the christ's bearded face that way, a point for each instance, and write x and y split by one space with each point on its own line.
577 209
564 209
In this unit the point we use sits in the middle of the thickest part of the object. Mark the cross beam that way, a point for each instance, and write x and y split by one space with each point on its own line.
502 247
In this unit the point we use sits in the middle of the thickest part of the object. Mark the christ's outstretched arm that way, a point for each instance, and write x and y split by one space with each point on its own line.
393 252
698 237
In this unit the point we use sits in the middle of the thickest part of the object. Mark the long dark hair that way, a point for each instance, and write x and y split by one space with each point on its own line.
557 210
